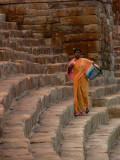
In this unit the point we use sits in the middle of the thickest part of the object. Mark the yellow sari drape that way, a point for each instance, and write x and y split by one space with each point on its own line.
81 87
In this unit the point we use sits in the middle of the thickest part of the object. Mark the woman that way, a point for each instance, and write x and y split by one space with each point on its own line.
76 70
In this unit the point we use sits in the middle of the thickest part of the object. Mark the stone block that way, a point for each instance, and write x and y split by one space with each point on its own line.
93 46
52 20
90 11
48 41
39 6
2 17
68 47
88 3
1 120
15 18
57 38
42 12
4 1
16 1
93 56
78 28
21 9
35 20
11 9
69 4
81 37
76 20
114 112
92 28
64 12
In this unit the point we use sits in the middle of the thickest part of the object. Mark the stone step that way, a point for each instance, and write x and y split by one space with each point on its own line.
117 60
18 122
114 111
13 68
41 69
118 80
76 132
117 67
116 53
2 17
56 67
16 154
15 43
46 137
107 101
100 143
63 76
100 91
117 74
116 48
9 25
5 34
35 50
8 54
17 67
56 58
100 81
115 152
13 87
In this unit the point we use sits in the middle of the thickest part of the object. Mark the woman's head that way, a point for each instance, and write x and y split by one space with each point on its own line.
77 53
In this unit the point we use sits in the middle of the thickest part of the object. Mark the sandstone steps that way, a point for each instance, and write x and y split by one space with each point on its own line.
46 137
103 90
32 108
15 68
15 33
114 111
100 143
21 42
57 67
25 67
107 101
76 132
8 54
9 25
13 88
115 152
25 113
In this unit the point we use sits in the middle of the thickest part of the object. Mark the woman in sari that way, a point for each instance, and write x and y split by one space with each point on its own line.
76 72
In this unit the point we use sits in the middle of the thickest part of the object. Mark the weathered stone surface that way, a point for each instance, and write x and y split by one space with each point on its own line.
68 47
92 28
35 20
93 46
90 11
64 12
81 37
76 20
4 1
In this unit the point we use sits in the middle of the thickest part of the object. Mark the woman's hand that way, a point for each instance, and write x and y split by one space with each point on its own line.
72 65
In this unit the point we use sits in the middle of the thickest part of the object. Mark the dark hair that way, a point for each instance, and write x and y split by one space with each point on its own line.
77 49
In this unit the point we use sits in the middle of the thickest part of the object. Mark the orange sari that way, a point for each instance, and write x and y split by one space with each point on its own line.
81 87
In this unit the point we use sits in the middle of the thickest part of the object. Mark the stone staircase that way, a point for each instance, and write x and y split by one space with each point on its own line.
37 109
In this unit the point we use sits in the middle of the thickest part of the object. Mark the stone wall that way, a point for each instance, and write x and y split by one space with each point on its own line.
67 24
116 10
116 14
